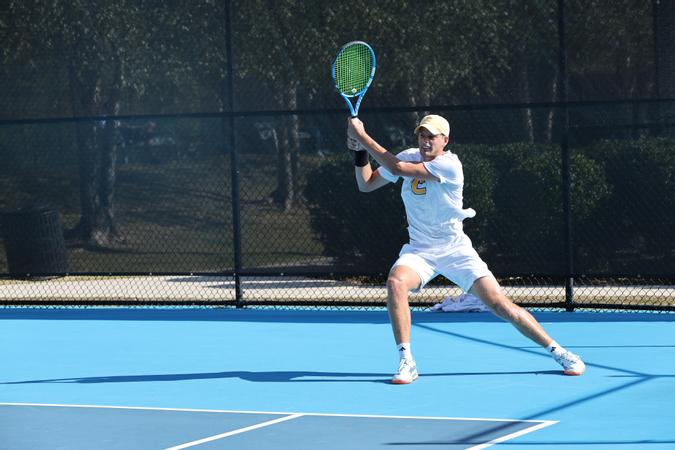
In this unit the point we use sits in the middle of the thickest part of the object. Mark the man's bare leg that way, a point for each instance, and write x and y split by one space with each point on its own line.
487 288
401 280
490 293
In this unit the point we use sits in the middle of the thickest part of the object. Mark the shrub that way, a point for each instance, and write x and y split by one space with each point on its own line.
633 230
516 190
525 226
363 232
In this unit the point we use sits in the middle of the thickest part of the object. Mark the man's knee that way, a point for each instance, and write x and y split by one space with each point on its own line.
401 280
396 283
501 305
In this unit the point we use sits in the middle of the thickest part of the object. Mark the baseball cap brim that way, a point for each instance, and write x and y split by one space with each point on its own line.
430 128
434 124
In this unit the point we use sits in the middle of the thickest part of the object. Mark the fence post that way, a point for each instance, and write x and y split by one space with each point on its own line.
234 160
565 156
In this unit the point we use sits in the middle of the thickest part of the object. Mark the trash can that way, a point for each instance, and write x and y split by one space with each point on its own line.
34 242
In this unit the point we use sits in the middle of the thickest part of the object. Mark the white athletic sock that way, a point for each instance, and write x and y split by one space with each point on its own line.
555 349
404 350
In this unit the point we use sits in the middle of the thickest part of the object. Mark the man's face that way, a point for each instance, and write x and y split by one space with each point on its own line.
431 145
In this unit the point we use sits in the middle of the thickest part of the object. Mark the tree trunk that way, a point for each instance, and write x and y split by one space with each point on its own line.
412 92
550 122
97 154
288 156
97 167
106 231
95 90
86 137
284 192
528 116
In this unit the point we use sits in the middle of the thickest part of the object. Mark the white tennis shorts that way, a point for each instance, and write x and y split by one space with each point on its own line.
459 264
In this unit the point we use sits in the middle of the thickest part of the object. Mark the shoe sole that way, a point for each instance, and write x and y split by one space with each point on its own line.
404 381
573 374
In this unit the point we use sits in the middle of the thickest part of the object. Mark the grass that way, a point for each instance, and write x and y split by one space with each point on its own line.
177 216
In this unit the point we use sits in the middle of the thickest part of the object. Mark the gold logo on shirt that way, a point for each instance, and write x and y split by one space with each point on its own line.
418 186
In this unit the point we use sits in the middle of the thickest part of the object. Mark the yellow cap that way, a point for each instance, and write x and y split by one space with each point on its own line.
435 125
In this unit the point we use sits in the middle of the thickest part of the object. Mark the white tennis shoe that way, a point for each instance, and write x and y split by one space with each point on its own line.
407 372
571 363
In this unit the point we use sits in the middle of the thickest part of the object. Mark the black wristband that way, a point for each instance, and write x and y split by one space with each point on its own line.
361 158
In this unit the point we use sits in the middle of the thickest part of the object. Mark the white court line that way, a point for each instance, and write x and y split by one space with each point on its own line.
543 424
233 411
538 424
233 432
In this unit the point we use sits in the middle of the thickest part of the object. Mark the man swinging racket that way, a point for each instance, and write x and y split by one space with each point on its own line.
432 195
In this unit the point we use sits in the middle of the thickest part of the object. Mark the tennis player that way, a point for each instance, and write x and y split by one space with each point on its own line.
433 181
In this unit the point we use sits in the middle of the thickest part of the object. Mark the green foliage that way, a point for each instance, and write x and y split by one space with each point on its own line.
117 57
520 220
360 230
621 54
69 58
479 184
528 228
516 190
635 225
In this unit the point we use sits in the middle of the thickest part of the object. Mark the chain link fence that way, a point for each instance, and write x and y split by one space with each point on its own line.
195 154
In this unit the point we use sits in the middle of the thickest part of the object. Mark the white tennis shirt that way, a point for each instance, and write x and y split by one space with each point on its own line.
434 208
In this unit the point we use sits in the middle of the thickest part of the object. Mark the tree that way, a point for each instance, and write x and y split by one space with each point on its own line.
283 48
533 63
115 53
619 64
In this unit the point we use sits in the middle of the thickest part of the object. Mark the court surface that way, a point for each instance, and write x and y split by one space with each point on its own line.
116 378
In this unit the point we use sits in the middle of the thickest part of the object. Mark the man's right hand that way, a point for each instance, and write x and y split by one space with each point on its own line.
354 144
355 128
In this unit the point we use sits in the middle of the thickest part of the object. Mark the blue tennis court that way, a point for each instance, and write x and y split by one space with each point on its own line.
116 378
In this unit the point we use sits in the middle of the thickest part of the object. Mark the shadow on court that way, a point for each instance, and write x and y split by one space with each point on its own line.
629 362
270 377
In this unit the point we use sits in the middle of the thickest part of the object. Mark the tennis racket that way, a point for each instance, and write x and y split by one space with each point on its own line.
353 71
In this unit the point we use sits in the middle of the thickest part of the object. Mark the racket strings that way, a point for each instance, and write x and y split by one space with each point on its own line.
353 68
